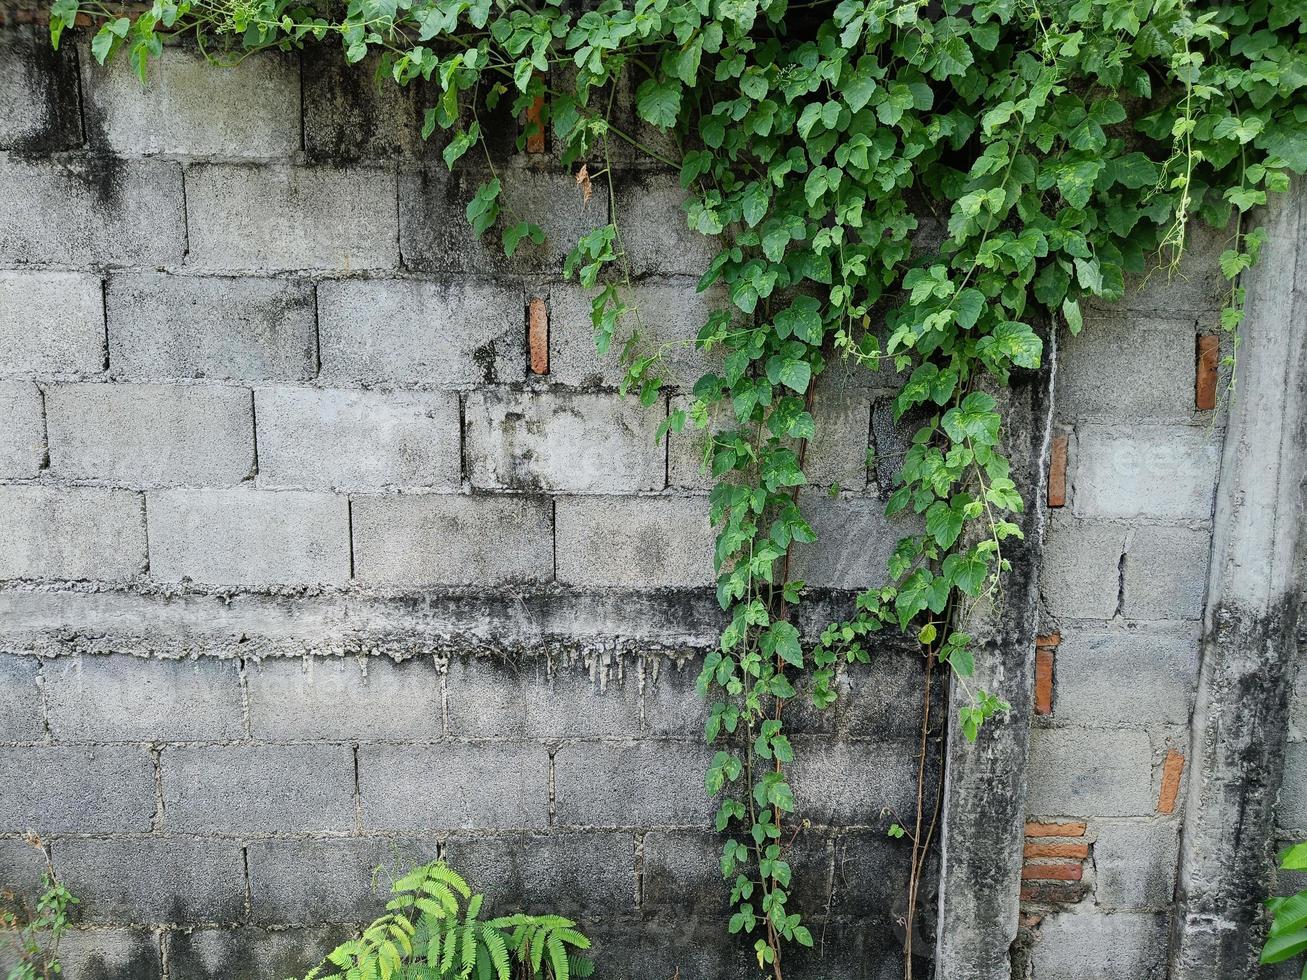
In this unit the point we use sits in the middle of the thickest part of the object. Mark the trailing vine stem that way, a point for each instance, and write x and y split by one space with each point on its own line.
914 188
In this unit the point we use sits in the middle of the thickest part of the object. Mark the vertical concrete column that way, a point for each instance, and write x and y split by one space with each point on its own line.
1240 718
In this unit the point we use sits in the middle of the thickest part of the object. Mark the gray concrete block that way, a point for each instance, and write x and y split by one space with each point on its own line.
453 333
668 316
489 786
1166 573
150 435
1291 809
672 703
1081 573
39 90
885 775
53 790
337 438
22 429
92 210
22 714
555 441
891 440
51 323
279 217
1093 946
870 873
66 533
1138 678
645 784
154 879
1156 381
353 113
22 872
1146 470
110 954
251 954
1298 705
1134 865
189 106
121 698
654 229
1074 772
491 697
1196 285
452 539
634 542
253 788
589 874
854 540
882 699
248 537
339 698
242 329
435 235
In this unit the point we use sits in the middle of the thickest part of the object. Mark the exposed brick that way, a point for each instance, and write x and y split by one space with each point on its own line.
92 210
1134 865
253 788
148 435
569 442
1036 828
1054 892
250 109
337 698
121 698
634 542
248 537
305 218
51 323
654 229
1057 472
39 90
484 786
1172 774
1109 773
453 333
152 878
537 335
22 716
243 329
535 126
83 533
1166 573
22 431
1052 872
1143 676
53 790
357 440
1207 370
1044 680
1081 572
645 784
452 539
1095 380
1154 471
1056 849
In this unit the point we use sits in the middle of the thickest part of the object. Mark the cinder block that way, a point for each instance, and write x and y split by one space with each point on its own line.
190 106
892 439
1081 572
645 784
1166 573
452 539
252 954
669 313
148 435
650 212
492 697
824 793
22 870
243 329
65 533
672 702
454 333
854 540
248 537
129 954
870 869
586 875
280 217
490 785
253 788
51 323
882 699
1137 678
1146 470
338 438
1156 381
121 698
22 717
1291 808
1093 946
344 698
22 429
1074 771
1196 285
154 879
1134 864
39 90
53 790
634 542
92 210
556 441
435 234
353 113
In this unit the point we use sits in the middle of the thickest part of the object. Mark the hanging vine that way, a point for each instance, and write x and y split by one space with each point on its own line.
1057 145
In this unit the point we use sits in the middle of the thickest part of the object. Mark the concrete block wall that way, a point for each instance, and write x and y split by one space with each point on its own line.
305 571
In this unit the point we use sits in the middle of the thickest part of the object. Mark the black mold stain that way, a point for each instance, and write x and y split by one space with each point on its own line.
50 76
485 359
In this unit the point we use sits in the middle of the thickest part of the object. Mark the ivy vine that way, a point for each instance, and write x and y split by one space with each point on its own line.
1058 145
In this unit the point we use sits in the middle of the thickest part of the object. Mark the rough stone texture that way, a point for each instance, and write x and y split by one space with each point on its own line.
66 533
51 323
1135 865
654 229
50 790
1107 947
639 784
357 440
1159 471
250 954
38 87
109 954
22 434
1155 382
1081 574
1069 768
22 714
150 435
854 540
1111 679
240 329
351 114
1166 573
634 542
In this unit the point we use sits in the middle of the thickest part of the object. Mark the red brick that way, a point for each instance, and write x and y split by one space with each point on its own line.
535 139
1057 472
1036 828
537 335
1052 872
1172 772
1044 680
1057 849
1053 892
1209 358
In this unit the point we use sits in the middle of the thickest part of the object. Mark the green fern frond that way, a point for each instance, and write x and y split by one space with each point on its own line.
558 958
580 966
498 949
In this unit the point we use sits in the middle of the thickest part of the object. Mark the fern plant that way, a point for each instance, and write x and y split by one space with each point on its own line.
1288 935
432 930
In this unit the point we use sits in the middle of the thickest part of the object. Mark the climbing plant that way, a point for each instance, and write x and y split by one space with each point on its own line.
924 189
